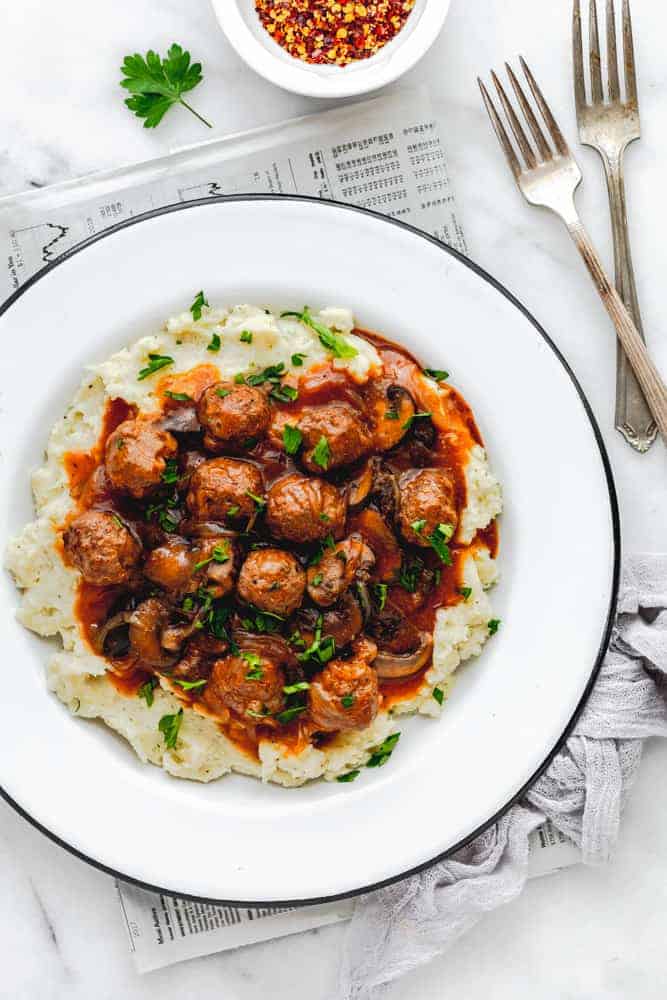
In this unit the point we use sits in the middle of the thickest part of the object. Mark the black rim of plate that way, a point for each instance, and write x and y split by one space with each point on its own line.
613 503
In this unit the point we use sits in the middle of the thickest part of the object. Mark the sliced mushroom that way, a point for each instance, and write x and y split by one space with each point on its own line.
106 642
181 420
390 666
378 536
392 412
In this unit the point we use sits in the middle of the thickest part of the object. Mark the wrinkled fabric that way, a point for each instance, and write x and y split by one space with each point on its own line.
583 792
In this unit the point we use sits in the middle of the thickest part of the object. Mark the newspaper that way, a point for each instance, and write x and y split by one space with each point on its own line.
386 154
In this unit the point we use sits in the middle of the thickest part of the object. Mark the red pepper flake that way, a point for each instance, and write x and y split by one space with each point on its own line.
335 32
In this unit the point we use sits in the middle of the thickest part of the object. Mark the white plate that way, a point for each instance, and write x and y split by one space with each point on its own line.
236 839
240 23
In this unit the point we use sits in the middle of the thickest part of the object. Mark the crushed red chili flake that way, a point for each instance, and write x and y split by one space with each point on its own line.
335 32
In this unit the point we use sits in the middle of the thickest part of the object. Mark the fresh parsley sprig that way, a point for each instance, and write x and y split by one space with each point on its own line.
339 346
157 83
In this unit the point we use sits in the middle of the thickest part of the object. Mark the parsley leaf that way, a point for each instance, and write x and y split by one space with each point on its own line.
383 752
220 554
284 393
493 626
415 416
349 776
190 685
273 374
339 346
155 362
259 502
297 359
222 392
215 343
439 695
146 690
156 83
418 526
322 453
179 397
246 337
295 688
381 594
290 713
197 306
437 373
169 726
347 701
439 539
170 474
292 438
465 592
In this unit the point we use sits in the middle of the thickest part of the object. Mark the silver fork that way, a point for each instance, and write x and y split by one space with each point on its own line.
609 128
548 177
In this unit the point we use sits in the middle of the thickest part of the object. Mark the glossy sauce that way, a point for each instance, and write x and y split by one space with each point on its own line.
457 433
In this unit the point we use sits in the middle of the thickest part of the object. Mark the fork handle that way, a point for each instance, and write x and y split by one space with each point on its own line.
647 374
633 417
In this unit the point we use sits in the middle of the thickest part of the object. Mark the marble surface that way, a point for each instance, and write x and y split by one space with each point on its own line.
581 933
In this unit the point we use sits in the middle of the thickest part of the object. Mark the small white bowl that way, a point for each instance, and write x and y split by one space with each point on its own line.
244 30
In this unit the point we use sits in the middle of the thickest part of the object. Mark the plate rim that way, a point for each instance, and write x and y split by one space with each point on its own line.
484 275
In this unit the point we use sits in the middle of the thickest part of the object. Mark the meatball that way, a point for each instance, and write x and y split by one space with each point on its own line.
391 408
343 622
429 496
345 695
102 548
250 685
305 510
233 415
147 623
338 568
343 427
273 581
136 454
223 484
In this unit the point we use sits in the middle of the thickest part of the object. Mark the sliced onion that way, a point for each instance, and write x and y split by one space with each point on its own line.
205 529
99 637
393 665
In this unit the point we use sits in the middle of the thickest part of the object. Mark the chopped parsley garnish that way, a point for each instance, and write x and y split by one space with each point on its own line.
323 517
190 685
410 573
320 650
292 438
170 474
439 539
415 416
216 619
155 362
465 592
246 337
493 626
391 415
215 343
197 306
117 520
188 604
437 373
259 502
383 752
439 695
222 392
179 397
284 393
220 554
233 510
255 673
169 726
257 715
159 510
272 374
262 621
295 688
317 579
290 713
418 526
297 359
327 543
239 379
381 594
349 776
334 342
347 701
322 453
146 690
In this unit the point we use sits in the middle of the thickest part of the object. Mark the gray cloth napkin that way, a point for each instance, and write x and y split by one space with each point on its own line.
583 791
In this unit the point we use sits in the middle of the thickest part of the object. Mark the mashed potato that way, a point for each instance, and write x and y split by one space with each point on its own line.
78 676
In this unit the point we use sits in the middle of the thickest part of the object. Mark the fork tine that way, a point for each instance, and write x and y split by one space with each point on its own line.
534 125
629 56
517 129
578 59
550 121
612 57
594 54
499 129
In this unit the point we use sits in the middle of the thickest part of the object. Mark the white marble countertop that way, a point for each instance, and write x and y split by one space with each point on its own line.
581 933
